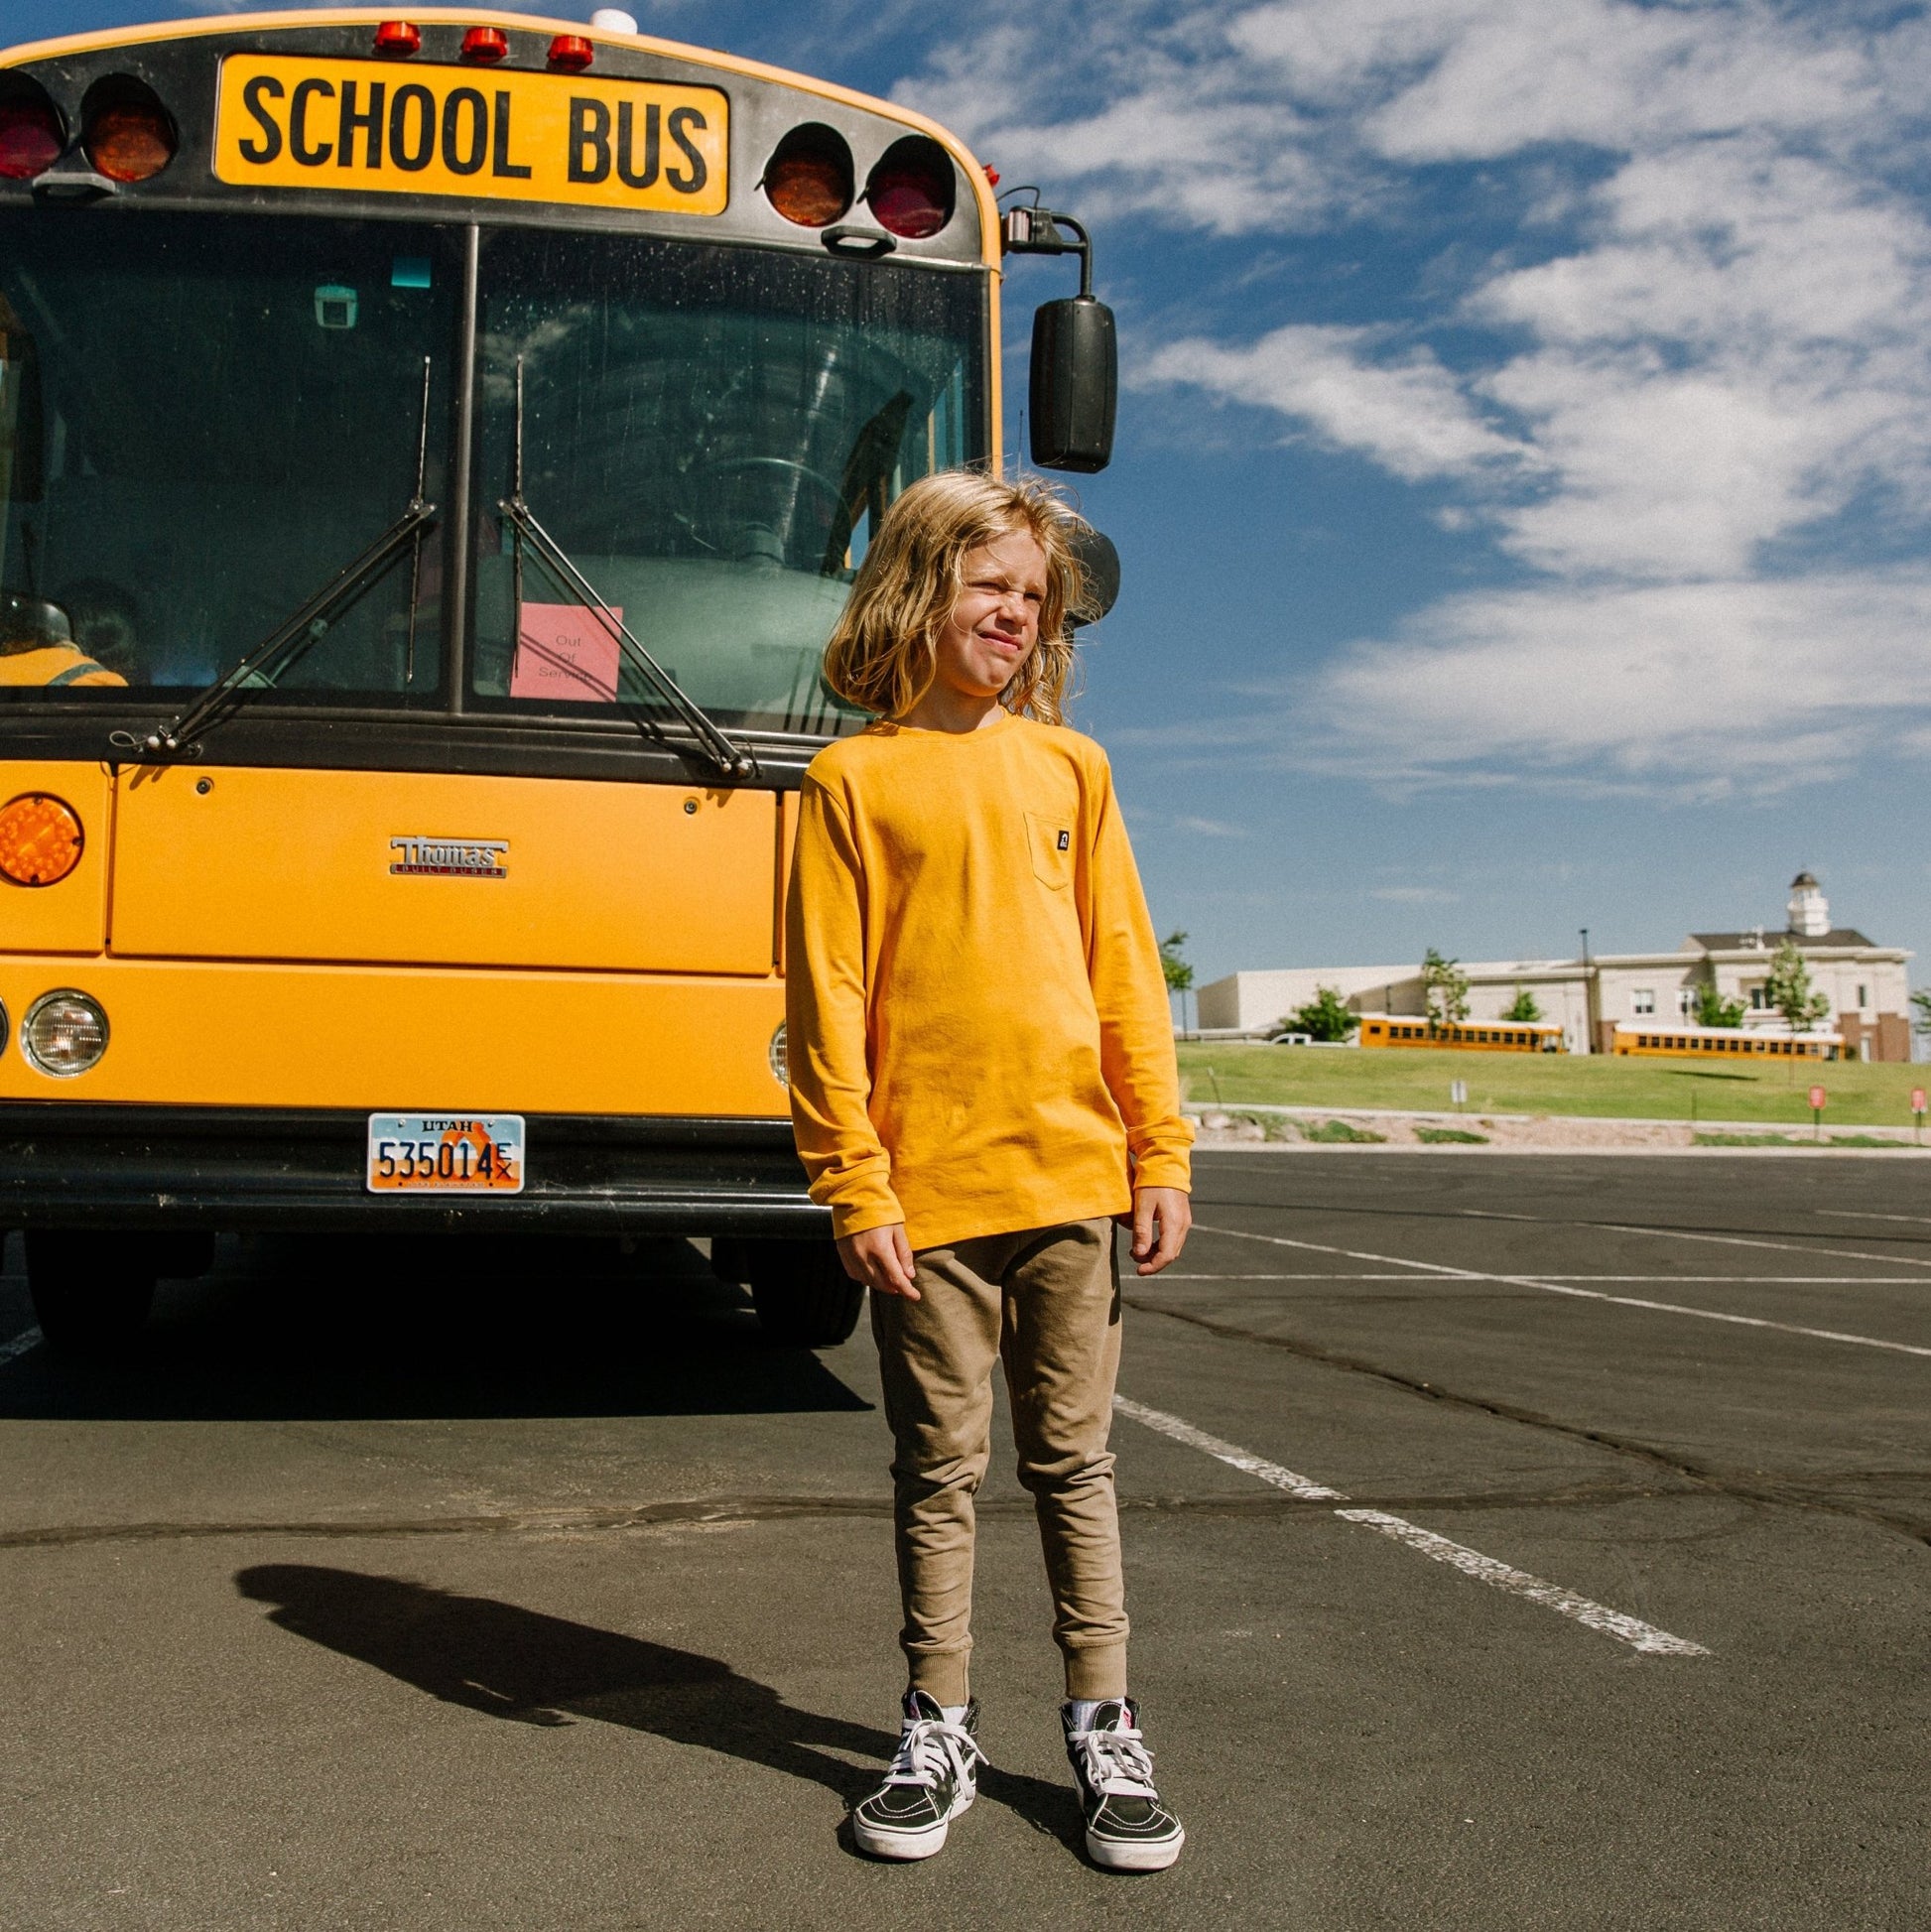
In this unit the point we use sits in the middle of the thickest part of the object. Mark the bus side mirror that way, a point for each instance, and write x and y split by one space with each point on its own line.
1100 567
1075 388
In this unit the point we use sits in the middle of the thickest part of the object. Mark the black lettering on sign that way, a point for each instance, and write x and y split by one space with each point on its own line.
456 158
304 153
500 163
411 159
264 86
692 180
589 140
369 124
627 170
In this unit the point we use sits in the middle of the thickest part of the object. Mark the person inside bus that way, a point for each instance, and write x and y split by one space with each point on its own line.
37 647
107 625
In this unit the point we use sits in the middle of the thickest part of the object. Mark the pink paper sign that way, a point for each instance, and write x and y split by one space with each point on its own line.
566 651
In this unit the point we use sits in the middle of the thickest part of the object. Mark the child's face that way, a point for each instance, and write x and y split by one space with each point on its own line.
995 622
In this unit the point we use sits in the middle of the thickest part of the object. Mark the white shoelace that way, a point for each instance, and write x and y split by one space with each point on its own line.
1117 1762
929 1748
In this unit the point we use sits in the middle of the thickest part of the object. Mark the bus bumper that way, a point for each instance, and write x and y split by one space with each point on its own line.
64 1164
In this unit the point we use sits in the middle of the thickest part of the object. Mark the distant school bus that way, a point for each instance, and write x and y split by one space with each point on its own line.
1491 1036
1727 1040
432 455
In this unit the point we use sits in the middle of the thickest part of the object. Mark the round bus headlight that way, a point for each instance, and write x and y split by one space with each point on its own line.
40 839
780 1065
65 1033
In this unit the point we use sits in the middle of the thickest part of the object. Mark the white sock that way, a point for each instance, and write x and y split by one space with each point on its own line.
952 1713
1081 1710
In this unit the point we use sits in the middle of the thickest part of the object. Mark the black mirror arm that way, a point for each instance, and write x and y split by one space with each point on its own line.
1037 231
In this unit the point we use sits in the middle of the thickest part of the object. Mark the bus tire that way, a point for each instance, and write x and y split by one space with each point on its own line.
802 1293
91 1292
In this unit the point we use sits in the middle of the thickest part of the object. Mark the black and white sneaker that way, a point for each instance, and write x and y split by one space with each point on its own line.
932 1780
1128 1829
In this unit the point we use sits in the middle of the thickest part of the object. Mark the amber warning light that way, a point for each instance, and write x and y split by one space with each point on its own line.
40 839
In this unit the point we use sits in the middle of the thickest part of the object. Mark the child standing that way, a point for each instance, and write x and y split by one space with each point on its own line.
982 1079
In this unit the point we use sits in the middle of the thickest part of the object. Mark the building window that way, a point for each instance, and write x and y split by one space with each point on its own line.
1760 999
1642 999
1863 996
1686 1000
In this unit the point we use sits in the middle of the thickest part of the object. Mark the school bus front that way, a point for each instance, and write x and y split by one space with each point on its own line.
427 489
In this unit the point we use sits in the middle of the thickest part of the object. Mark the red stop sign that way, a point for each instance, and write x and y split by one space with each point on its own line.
1817 1097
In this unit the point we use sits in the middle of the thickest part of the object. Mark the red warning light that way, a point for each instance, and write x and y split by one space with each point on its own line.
571 52
397 36
487 43
991 174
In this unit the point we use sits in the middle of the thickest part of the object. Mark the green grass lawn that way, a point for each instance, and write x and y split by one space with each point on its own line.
1603 1084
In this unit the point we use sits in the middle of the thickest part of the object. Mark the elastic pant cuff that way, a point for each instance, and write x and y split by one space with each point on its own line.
1098 1672
942 1675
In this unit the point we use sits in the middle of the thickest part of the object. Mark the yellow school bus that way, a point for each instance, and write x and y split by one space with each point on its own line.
1727 1040
1483 1036
432 453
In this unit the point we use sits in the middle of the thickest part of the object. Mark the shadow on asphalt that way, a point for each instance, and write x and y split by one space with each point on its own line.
527 1668
456 1327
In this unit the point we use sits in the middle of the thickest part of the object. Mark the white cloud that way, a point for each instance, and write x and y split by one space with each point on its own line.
1708 337
1403 410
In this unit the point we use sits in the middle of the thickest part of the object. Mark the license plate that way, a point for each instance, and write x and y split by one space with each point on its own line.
446 1153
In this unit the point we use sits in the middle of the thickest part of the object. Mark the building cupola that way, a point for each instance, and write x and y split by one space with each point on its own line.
1809 910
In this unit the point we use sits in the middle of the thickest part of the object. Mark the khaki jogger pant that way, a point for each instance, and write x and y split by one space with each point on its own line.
1046 1301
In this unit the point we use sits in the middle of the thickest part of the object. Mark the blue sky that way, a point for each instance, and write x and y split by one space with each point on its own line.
1522 479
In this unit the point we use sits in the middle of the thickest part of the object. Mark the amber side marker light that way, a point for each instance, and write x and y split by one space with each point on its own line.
808 177
40 839
129 136
30 137
571 52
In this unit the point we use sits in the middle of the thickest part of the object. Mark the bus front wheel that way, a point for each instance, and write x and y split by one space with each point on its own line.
802 1293
91 1292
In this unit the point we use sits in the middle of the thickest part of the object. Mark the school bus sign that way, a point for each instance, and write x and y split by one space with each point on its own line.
365 126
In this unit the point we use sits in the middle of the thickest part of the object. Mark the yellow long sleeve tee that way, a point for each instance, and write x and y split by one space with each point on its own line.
978 1036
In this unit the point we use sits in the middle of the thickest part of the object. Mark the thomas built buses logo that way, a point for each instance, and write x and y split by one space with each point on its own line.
451 858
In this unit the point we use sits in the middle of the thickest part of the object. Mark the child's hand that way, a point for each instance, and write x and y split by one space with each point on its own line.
881 1257
1161 1218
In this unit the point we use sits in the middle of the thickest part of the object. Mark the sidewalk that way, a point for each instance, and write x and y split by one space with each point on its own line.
1311 1128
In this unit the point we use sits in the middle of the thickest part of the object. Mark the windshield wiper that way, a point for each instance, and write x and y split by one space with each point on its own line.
307 625
730 758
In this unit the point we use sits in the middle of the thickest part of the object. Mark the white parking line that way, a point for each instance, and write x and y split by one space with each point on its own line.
1746 1280
1691 1234
26 1340
1549 1287
1851 1213
1632 1631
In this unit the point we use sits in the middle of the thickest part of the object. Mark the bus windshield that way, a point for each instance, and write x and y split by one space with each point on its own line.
710 434
202 420
204 417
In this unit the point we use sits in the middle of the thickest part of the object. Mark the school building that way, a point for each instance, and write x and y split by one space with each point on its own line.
1865 983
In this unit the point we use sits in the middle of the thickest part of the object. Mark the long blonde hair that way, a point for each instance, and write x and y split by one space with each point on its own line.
882 654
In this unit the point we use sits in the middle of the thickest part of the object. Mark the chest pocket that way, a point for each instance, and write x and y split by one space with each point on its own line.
1050 841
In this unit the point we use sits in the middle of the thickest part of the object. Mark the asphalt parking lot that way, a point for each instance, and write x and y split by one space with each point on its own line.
1512 1542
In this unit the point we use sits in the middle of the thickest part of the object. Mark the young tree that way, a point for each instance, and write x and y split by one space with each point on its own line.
1324 1017
1445 988
1179 975
1524 1006
1921 1018
1789 990
1712 1009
